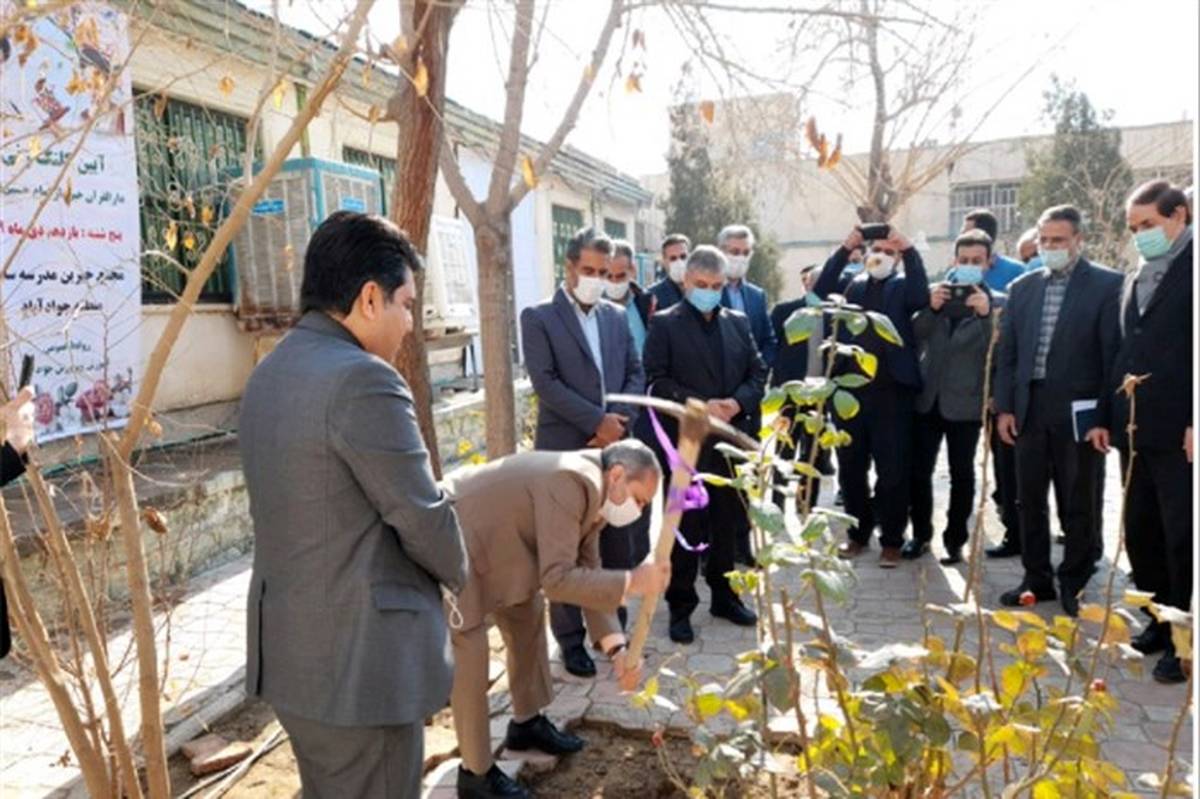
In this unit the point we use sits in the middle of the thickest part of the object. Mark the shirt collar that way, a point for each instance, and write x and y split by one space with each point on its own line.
575 303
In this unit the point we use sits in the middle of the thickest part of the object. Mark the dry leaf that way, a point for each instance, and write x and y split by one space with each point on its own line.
68 190
206 215
171 235
160 105
810 133
639 39
633 83
836 156
21 34
527 172
189 241
225 85
35 146
399 46
155 428
420 80
280 92
76 84
155 521
708 110
589 73
31 44
374 114
822 151
87 34
189 205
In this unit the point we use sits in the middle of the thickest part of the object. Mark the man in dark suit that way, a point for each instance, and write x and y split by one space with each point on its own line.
17 414
1155 326
346 638
1057 344
577 349
669 290
737 242
699 349
882 429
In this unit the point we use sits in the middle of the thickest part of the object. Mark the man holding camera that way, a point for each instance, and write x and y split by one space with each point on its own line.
953 334
882 428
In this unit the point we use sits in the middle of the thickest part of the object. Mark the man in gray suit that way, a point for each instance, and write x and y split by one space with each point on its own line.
346 637
578 348
1058 342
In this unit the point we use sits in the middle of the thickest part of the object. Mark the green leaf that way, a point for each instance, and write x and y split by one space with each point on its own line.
845 404
807 469
967 742
938 730
813 423
768 516
773 401
867 362
885 329
831 584
778 684
855 322
812 300
852 380
801 325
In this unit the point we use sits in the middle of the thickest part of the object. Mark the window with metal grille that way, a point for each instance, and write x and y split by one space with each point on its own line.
614 228
565 223
999 198
184 156
386 167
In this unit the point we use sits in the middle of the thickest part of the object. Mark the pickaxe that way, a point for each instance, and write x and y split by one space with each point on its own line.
695 425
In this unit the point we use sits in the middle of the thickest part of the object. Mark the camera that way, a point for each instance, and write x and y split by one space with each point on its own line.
875 230
956 306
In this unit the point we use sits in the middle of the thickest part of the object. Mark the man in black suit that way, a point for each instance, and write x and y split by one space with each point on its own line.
1156 340
881 431
669 290
18 426
699 349
578 348
1057 345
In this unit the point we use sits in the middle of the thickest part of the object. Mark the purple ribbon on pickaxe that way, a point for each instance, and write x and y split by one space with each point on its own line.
694 497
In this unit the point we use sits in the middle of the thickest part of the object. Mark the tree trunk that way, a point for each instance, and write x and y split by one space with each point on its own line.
419 137
493 246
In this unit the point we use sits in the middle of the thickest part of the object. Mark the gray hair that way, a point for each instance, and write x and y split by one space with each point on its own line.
735 232
1028 235
707 258
637 458
622 248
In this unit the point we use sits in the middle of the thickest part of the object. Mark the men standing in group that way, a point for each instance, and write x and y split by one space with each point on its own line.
1156 341
578 348
669 290
532 523
954 341
1058 342
882 430
699 349
622 289
346 639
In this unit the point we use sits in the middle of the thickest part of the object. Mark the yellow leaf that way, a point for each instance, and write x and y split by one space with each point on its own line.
1046 789
189 241
1091 612
400 45
1138 599
171 236
67 192
1031 618
280 92
477 459
527 173
1181 638
206 215
1006 620
464 447
1032 644
633 83
708 705
225 85
76 84
421 78
708 110
589 73
35 146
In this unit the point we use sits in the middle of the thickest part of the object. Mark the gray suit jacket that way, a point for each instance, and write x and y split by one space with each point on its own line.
564 374
351 537
1083 346
953 361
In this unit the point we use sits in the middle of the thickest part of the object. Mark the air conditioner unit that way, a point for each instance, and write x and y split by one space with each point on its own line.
268 252
450 296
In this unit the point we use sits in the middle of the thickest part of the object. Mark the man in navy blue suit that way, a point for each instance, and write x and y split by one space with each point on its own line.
881 430
669 290
737 242
578 348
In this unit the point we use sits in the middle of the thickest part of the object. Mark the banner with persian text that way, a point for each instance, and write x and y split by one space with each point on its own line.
69 212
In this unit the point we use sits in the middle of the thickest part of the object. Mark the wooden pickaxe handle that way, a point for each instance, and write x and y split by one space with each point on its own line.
693 429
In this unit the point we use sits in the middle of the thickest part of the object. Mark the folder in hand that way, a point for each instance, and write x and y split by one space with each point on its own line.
1084 417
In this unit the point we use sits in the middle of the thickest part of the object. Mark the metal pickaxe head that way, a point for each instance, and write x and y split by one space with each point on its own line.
693 411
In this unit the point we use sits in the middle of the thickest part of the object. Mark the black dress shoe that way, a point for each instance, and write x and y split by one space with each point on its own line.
486 786
541 734
1070 601
735 611
913 549
681 630
1168 670
953 556
1006 549
1154 638
578 662
1012 599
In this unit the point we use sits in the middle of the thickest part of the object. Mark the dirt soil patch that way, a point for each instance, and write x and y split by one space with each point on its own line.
273 776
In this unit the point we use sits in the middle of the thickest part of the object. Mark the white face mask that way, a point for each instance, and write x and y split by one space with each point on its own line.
616 291
880 265
620 514
589 290
738 266
1055 260
677 270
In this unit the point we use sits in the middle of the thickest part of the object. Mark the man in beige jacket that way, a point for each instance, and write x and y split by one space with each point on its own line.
531 523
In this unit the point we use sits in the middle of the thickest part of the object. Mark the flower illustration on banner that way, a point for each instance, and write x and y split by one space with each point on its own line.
93 403
44 409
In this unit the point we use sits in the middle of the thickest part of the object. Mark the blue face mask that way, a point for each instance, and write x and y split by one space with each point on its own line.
704 300
1033 263
853 267
1152 243
967 274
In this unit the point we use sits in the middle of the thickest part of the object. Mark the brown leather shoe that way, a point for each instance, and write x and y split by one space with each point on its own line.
889 558
849 550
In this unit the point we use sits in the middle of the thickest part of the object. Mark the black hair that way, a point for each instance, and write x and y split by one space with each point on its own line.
1166 198
622 248
676 238
588 238
1062 213
985 220
347 251
974 238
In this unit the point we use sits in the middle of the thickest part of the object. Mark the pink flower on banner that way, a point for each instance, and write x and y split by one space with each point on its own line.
93 403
